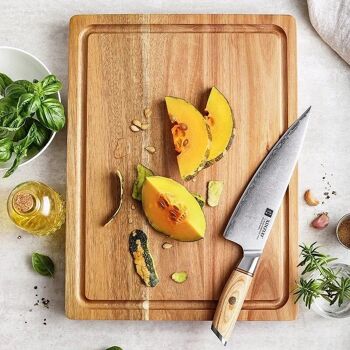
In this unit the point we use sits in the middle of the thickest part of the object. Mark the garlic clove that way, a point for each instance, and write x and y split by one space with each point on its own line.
321 221
310 200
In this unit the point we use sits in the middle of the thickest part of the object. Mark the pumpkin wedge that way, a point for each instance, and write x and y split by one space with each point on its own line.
191 136
172 210
222 126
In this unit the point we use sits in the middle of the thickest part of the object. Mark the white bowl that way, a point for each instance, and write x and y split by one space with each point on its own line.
19 64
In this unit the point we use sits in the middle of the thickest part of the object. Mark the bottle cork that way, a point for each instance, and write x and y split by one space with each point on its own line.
23 202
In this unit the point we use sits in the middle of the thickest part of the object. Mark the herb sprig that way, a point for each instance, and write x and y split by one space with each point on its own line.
329 284
29 113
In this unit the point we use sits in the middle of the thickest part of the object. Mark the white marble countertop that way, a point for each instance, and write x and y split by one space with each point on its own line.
41 27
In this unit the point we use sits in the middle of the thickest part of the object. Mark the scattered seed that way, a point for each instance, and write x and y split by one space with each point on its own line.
150 149
134 128
185 143
167 245
19 237
137 123
144 126
130 220
133 207
147 112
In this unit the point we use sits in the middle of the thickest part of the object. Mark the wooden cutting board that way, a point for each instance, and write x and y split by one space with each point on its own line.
120 64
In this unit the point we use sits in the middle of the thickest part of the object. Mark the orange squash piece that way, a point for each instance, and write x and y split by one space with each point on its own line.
191 136
222 126
172 210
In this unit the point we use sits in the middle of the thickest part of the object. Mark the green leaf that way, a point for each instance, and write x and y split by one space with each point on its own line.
114 348
5 81
28 86
6 146
15 90
142 173
51 114
24 100
51 85
42 135
21 149
7 106
43 265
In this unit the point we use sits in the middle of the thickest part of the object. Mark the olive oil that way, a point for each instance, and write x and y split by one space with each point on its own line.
36 208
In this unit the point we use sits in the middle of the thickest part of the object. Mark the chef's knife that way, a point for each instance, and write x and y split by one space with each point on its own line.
252 219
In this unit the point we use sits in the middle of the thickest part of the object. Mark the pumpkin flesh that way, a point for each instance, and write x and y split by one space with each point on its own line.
221 122
172 210
191 136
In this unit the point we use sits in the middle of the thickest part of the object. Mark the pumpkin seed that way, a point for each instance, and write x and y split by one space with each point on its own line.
133 207
144 126
150 149
179 277
147 112
136 123
134 128
130 220
167 245
185 143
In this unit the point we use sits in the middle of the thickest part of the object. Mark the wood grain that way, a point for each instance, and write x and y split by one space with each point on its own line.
230 304
120 64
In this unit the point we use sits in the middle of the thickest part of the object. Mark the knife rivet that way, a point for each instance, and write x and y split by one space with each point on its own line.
232 301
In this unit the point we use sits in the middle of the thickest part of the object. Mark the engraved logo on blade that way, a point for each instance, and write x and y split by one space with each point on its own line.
268 212
264 223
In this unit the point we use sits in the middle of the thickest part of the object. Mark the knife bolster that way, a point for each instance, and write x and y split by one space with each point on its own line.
249 263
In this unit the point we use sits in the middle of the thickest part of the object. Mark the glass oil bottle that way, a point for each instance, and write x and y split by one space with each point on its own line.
36 208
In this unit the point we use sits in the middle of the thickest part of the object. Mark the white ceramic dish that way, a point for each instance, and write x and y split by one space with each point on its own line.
19 64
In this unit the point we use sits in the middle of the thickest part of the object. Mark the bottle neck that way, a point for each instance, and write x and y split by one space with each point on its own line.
24 202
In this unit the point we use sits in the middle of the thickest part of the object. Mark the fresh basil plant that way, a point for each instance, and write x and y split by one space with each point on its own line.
29 113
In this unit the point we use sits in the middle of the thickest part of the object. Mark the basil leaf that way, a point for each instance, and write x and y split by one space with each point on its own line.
5 81
43 265
5 150
34 104
15 90
42 135
21 149
24 100
51 114
7 107
22 132
114 348
27 85
51 85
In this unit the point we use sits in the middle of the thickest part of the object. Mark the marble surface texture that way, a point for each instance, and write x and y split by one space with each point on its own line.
41 27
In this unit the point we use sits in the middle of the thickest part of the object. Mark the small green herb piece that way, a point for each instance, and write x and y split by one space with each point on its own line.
43 265
328 284
214 192
114 348
199 198
142 173
179 277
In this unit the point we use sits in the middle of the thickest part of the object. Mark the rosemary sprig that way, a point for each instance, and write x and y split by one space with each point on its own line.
329 285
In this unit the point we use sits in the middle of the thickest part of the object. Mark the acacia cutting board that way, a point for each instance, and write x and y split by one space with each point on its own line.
120 64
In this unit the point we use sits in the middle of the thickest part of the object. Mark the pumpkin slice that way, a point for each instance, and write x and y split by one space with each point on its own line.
172 210
222 126
191 136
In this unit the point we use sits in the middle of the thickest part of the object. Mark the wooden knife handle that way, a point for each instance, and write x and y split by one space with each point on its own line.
230 304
